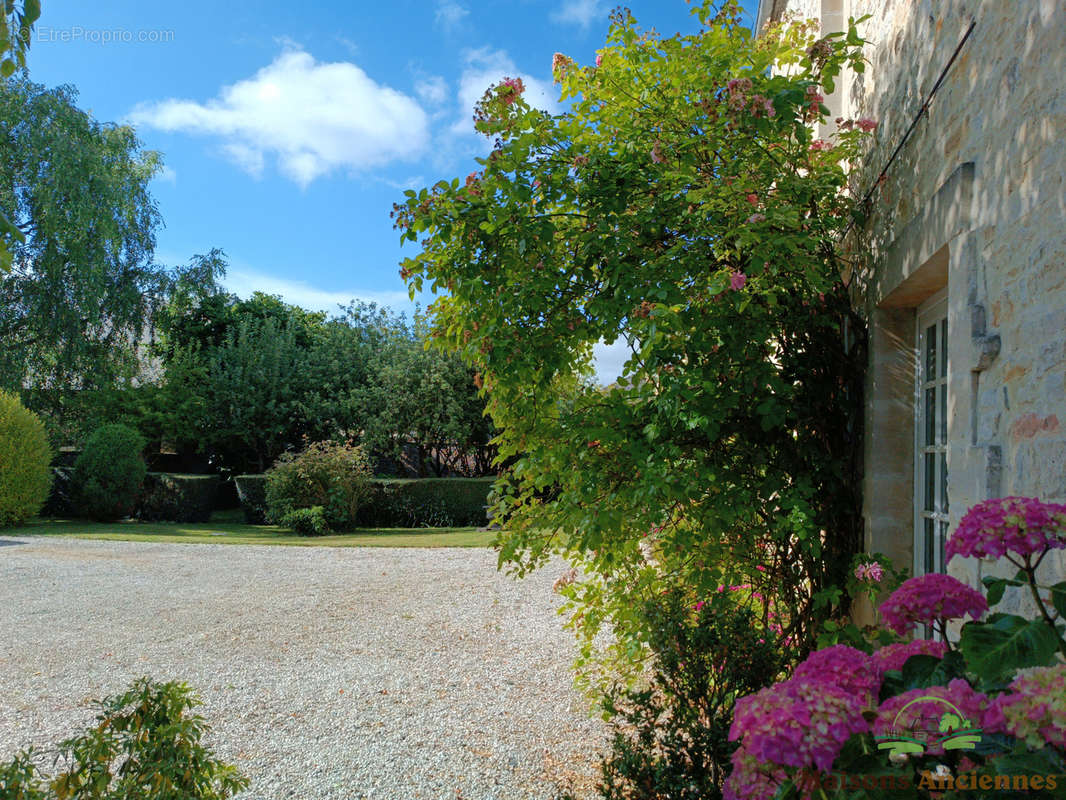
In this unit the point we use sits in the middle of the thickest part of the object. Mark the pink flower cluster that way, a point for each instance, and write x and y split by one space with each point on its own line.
516 88
1024 526
844 668
870 571
896 716
894 656
737 280
797 723
752 779
927 598
821 145
1034 708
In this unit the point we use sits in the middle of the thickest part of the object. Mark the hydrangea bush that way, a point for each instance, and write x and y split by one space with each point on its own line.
979 714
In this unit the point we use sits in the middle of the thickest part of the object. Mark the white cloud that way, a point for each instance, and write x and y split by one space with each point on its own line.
580 12
167 174
243 282
313 118
432 89
485 67
608 359
450 13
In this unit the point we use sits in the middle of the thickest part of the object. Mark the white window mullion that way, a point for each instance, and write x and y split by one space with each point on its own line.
931 437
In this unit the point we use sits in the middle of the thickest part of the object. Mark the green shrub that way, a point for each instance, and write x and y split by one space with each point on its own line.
171 497
327 474
251 491
427 502
671 737
307 521
144 746
25 459
109 473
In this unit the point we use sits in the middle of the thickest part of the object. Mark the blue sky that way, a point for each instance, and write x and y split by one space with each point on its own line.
289 129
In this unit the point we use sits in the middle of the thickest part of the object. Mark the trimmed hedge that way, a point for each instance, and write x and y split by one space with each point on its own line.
171 497
396 503
251 491
426 502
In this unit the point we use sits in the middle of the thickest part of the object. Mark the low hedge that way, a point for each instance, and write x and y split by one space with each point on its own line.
395 503
426 502
251 491
171 497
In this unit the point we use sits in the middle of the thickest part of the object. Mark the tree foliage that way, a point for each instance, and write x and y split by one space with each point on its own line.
683 205
82 281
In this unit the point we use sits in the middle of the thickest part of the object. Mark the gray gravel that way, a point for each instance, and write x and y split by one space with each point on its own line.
325 672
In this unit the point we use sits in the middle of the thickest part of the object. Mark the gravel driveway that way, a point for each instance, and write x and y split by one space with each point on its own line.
325 672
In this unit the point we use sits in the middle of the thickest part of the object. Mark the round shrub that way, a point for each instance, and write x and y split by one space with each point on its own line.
307 521
109 473
25 459
332 475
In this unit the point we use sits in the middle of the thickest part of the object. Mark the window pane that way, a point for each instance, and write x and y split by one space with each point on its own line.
930 480
930 353
944 348
929 545
943 538
942 390
942 505
930 416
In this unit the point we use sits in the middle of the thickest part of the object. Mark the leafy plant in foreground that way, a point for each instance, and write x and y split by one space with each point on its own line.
145 745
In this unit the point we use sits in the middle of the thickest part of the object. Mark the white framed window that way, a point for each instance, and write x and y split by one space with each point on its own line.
931 436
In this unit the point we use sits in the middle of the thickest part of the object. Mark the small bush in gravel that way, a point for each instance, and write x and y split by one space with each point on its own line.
25 474
307 521
332 475
109 473
671 737
145 745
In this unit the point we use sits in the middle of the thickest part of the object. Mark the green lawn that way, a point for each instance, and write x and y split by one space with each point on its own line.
222 531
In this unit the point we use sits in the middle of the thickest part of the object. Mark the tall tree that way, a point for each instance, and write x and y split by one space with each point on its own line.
684 205
16 26
82 284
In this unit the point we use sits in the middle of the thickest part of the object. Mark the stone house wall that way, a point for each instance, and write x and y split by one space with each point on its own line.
973 206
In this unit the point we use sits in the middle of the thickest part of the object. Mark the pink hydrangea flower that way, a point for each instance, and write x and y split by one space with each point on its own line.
1034 708
797 723
844 668
737 281
923 719
1023 526
894 656
867 124
599 59
928 598
752 779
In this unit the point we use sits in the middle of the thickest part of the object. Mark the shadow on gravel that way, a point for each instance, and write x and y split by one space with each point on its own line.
10 541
